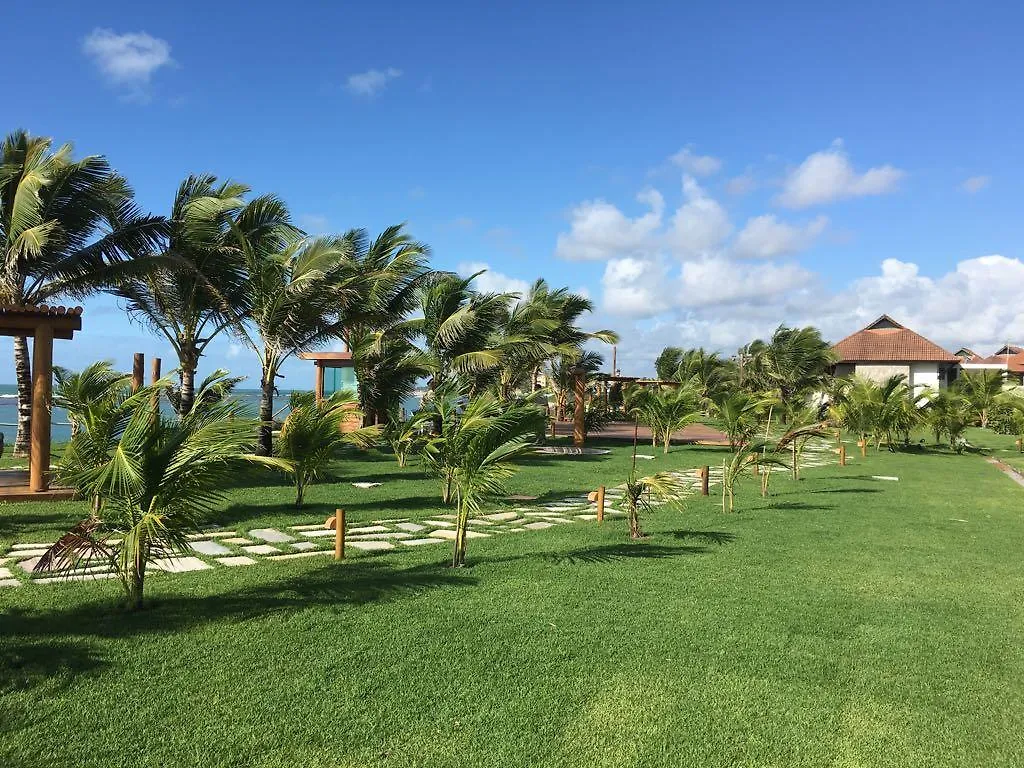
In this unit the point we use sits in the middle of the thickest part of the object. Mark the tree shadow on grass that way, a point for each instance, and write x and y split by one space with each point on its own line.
25 665
848 490
610 553
796 506
17 523
335 586
711 537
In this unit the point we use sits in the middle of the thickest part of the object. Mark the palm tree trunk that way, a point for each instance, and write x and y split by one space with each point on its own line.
23 374
188 388
266 439
462 523
796 465
634 521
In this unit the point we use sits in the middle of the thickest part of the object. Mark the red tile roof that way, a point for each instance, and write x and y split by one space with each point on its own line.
885 341
1014 363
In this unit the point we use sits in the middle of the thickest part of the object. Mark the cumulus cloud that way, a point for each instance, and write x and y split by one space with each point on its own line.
700 225
722 281
492 281
741 185
372 81
694 164
127 60
600 231
975 184
827 176
636 287
765 237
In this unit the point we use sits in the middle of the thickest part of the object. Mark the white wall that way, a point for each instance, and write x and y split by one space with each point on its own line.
881 372
924 375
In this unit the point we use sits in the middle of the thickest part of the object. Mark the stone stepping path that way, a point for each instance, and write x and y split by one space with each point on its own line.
220 548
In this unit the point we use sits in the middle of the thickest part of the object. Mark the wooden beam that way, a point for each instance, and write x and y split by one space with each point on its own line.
42 387
319 388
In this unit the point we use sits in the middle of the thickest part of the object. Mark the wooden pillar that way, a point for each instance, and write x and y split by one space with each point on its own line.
42 387
319 386
154 371
553 435
138 371
705 479
600 504
842 455
579 434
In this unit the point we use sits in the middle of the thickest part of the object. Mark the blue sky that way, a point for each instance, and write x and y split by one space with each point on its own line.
704 173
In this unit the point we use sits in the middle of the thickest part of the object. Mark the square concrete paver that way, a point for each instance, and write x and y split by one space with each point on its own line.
24 554
303 545
180 564
420 542
9 583
16 547
369 529
444 533
538 526
389 535
372 546
501 517
5 573
411 527
237 540
294 555
28 565
210 548
261 549
270 534
318 533
236 560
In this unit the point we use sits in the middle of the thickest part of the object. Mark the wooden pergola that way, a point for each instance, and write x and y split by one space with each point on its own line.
322 360
42 324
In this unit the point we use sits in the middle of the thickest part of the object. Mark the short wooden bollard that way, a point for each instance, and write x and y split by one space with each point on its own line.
863 448
1020 446
338 524
705 479
842 455
553 429
600 503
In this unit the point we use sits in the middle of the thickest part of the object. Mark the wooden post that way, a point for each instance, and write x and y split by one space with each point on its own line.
319 386
1020 445
42 387
842 455
705 480
579 435
138 371
863 448
600 503
339 534
154 371
553 428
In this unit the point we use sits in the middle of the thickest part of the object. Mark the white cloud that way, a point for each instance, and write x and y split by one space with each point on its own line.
765 237
741 185
697 165
636 287
718 281
700 225
492 281
828 176
372 81
599 230
127 60
975 184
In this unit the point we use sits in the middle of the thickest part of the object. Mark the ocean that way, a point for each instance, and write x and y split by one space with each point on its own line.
60 430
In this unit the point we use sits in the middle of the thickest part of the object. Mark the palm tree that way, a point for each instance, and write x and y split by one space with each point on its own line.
641 493
748 457
950 413
67 228
216 387
792 364
665 411
312 436
562 372
297 301
204 289
83 392
475 453
982 389
804 426
406 436
740 414
388 368
668 362
154 479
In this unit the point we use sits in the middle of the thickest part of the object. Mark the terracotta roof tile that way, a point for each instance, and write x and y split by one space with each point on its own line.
885 340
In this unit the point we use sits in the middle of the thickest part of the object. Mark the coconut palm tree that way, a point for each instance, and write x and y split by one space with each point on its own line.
389 368
67 228
204 289
950 413
153 480
476 451
740 414
982 389
804 426
406 436
792 364
643 493
312 436
562 372
298 297
665 411
81 393
667 363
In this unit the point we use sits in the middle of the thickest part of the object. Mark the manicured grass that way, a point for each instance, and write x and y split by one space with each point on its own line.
843 621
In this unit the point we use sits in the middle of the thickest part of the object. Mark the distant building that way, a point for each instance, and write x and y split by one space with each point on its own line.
1007 358
885 348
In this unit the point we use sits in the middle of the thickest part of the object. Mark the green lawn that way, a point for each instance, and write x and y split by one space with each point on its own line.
845 621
